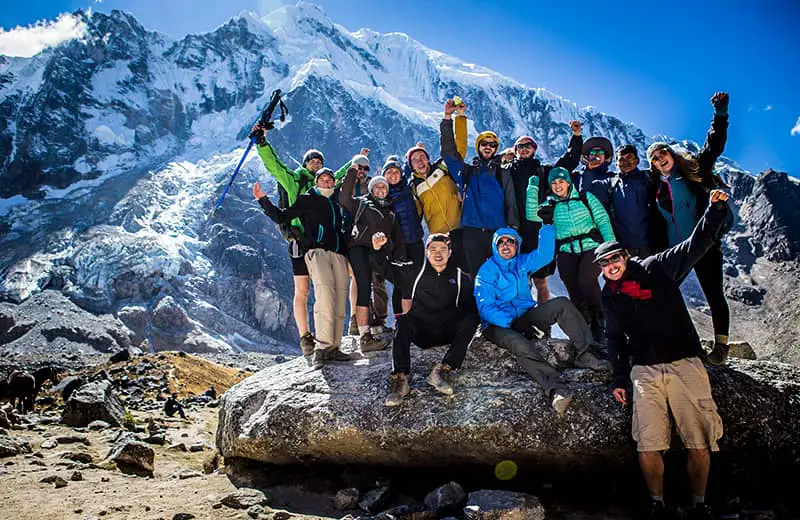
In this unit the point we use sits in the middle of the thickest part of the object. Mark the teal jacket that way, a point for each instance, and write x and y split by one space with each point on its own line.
577 228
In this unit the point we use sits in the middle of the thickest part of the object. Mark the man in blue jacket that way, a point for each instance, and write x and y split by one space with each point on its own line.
487 190
629 205
512 318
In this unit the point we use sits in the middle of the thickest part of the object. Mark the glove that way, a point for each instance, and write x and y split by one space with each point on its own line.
259 135
546 214
720 102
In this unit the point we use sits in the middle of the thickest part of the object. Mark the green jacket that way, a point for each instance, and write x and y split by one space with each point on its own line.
577 229
294 182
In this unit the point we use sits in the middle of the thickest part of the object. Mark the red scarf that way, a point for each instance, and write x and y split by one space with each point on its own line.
630 288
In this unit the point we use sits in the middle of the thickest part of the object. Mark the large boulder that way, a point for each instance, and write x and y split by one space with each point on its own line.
92 402
289 414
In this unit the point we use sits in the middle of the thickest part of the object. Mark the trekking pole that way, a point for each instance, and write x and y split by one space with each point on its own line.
265 123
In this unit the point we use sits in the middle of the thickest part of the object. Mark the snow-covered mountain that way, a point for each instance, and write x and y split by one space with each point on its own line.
116 145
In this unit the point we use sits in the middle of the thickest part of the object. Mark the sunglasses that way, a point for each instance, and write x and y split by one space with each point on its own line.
504 241
488 144
660 154
362 168
617 257
596 153
524 145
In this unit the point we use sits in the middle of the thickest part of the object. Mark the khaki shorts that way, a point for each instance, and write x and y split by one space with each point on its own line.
682 388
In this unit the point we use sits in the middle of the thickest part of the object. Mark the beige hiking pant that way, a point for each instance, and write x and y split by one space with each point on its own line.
329 274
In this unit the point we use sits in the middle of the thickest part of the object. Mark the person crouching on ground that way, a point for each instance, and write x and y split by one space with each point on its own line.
512 318
443 312
649 328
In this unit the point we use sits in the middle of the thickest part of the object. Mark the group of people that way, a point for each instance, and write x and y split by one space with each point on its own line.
497 227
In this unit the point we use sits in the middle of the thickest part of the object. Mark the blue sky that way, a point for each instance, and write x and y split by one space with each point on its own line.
653 64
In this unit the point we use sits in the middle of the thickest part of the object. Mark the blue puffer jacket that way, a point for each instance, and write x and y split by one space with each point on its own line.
405 208
502 290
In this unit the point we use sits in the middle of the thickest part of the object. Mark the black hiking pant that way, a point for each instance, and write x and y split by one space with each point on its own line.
477 247
709 274
365 262
458 334
520 339
416 253
579 274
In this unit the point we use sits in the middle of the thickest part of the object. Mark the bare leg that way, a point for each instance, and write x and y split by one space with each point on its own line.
405 303
353 290
362 315
542 290
652 465
698 466
301 288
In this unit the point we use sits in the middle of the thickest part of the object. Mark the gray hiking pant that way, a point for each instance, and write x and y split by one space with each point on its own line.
517 339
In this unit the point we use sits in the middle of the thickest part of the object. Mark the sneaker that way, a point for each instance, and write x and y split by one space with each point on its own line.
589 360
438 379
334 354
368 343
658 511
561 400
307 344
319 358
352 329
701 512
398 389
719 355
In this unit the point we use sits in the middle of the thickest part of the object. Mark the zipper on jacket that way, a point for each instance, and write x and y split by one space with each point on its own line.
333 218
319 234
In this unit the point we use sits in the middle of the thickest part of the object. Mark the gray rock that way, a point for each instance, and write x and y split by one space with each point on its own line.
91 402
346 499
4 422
183 516
502 505
183 475
446 499
76 476
132 456
72 439
170 315
98 425
177 447
256 511
11 446
49 444
245 498
198 446
77 456
373 501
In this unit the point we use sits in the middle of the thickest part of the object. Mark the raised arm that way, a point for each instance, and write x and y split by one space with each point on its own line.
454 162
282 173
532 199
572 157
346 199
716 138
489 306
678 260
461 132
542 255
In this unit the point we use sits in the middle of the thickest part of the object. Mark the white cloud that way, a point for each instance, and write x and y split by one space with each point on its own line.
28 41
796 129
767 108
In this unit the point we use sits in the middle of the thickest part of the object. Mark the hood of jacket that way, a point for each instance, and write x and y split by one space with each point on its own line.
505 232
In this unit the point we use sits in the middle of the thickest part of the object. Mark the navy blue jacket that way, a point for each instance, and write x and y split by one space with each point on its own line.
405 208
630 208
598 183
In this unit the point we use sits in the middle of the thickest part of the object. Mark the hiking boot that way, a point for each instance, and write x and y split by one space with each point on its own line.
561 400
368 343
307 344
380 329
719 355
398 389
352 329
334 354
658 511
700 512
589 360
318 359
438 379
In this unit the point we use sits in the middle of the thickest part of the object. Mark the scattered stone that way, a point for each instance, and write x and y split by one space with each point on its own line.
446 500
54 479
77 456
245 498
373 501
91 402
49 444
255 511
132 456
4 422
177 447
282 515
119 357
12 446
37 462
346 499
182 516
407 512
198 446
60 482
71 439
159 439
187 473
105 479
502 505
76 476
98 425
211 463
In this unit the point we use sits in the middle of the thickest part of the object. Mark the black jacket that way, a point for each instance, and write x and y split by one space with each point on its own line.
439 299
322 218
646 317
707 157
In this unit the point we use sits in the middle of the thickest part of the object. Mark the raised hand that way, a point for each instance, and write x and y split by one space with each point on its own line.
575 126
257 191
720 102
260 134
364 151
546 214
449 108
717 196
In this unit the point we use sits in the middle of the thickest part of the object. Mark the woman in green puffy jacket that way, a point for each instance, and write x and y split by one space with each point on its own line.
582 224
